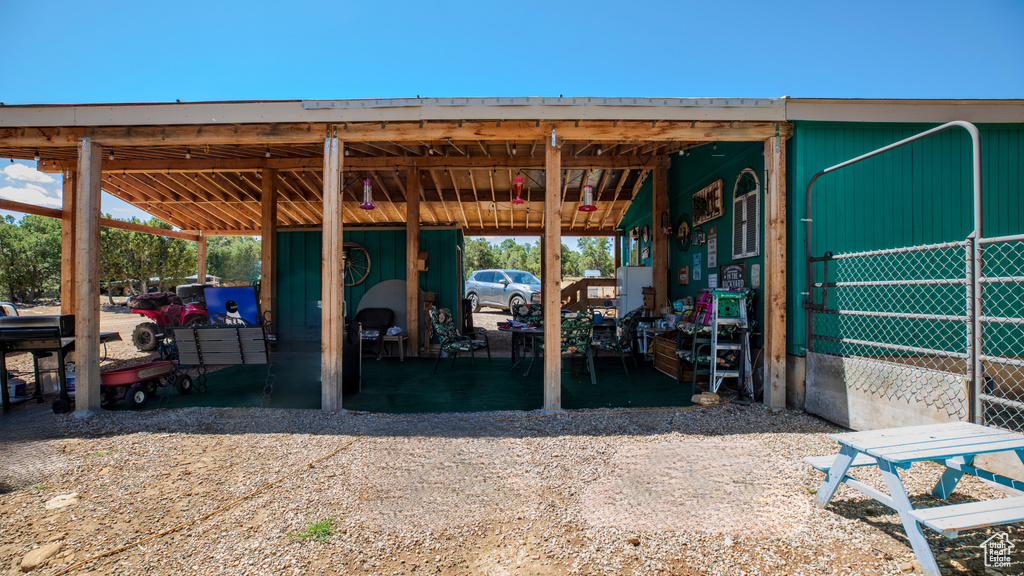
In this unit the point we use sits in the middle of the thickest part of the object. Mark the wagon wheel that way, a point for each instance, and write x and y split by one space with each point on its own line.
356 262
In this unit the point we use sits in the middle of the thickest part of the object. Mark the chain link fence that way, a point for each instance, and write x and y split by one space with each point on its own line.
896 324
1001 345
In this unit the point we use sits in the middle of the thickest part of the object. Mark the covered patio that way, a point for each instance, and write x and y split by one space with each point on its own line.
268 168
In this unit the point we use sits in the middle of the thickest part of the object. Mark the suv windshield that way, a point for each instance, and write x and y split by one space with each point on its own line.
522 277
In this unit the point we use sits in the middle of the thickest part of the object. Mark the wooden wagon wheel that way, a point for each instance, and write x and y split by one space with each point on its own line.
356 262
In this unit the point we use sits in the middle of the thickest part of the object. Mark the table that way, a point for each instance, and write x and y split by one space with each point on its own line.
523 332
400 339
651 332
954 445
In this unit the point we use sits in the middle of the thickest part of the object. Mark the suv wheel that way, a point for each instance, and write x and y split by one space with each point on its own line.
474 301
515 302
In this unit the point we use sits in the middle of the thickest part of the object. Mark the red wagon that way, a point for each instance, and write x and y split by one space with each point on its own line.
138 383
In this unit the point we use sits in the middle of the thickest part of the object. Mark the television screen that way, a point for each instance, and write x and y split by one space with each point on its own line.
232 306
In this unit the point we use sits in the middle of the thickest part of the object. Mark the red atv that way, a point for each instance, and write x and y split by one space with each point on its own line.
166 310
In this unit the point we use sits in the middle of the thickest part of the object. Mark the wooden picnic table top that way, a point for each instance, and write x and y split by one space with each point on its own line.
931 442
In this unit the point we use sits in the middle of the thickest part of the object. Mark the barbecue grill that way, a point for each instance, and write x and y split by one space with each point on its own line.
42 336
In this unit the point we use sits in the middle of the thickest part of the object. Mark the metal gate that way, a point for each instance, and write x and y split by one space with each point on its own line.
1000 399
939 325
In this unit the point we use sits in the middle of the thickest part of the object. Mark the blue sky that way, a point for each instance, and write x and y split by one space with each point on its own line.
121 51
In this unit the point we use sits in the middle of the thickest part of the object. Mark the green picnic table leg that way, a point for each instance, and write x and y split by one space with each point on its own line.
901 503
835 475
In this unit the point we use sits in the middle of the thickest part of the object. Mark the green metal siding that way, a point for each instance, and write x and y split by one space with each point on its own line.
688 175
299 271
918 194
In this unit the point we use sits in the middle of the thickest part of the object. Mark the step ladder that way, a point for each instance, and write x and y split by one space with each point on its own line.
727 309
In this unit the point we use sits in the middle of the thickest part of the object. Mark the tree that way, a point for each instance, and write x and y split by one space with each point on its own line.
480 255
135 257
595 255
235 259
570 262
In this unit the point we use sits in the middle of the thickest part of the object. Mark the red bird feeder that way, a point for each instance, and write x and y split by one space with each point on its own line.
517 187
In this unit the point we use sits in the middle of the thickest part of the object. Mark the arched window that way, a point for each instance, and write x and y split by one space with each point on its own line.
746 215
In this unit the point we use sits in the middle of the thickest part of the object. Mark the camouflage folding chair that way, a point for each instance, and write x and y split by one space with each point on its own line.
452 342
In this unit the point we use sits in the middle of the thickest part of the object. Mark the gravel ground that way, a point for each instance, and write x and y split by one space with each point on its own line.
717 490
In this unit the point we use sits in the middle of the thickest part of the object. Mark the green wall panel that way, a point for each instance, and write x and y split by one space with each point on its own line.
688 175
299 271
638 215
918 194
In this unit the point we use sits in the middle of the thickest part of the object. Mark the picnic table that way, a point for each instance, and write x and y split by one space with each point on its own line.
520 334
954 445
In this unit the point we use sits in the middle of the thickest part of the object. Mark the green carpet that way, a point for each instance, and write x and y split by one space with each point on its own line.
407 387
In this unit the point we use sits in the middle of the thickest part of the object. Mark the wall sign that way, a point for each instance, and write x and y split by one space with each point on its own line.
734 275
696 266
698 237
684 275
645 253
755 276
712 281
713 247
683 232
707 204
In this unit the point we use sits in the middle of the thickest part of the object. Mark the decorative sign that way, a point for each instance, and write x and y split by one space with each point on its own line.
696 266
684 275
698 237
713 247
683 232
712 281
707 204
734 275
755 276
645 253
646 234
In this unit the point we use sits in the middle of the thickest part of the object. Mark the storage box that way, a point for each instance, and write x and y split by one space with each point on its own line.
665 359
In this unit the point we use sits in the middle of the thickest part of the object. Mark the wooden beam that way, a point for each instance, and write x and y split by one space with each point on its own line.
67 245
268 244
551 284
332 292
87 274
403 132
201 260
104 222
659 242
775 274
412 251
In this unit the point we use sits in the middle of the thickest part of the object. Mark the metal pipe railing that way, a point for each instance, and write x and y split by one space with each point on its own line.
973 331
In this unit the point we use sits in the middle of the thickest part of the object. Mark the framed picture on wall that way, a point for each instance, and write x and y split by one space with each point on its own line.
645 253
734 275
684 275
707 203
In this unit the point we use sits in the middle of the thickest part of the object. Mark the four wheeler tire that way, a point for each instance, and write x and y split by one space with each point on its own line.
196 320
146 337
183 384
138 396
61 406
515 302
474 301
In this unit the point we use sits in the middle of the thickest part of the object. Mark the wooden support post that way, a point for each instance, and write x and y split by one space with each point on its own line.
659 242
551 289
268 243
412 252
775 274
333 287
87 277
201 260
617 250
67 245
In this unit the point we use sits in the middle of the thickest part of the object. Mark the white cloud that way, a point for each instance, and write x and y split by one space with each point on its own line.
30 194
27 174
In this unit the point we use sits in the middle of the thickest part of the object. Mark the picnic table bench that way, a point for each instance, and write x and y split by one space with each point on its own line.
954 445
